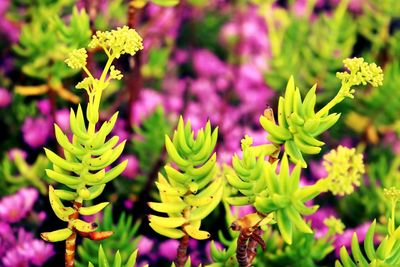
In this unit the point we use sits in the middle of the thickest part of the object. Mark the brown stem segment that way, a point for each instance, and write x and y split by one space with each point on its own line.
134 82
255 239
247 243
181 256
70 243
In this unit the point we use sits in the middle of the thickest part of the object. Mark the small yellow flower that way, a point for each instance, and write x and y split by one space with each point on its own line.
360 72
344 168
118 42
393 194
335 225
115 74
77 58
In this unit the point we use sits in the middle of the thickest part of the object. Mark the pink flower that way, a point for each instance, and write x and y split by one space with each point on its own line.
145 245
36 131
207 64
120 130
27 250
44 106
62 119
345 238
168 249
15 207
317 220
132 167
37 251
5 97
14 152
146 104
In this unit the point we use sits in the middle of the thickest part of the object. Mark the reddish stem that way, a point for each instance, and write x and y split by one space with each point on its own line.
70 243
181 256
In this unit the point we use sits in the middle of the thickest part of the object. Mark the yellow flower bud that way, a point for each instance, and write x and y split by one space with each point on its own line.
344 168
77 58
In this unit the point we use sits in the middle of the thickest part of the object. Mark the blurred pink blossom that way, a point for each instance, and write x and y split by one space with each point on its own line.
62 119
36 131
5 97
15 207
168 249
145 105
132 167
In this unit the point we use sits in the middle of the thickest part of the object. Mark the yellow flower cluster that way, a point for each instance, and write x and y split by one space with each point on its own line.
77 58
393 194
360 72
118 42
344 168
335 225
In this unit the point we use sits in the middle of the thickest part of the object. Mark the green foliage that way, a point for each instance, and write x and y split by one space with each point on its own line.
148 142
45 41
86 157
249 177
299 124
104 260
192 192
312 51
387 254
305 251
156 65
223 257
123 241
18 173
381 107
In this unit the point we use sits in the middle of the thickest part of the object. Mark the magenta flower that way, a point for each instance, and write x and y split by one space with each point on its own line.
44 106
145 245
15 207
12 153
5 97
120 130
27 250
36 131
146 104
207 64
62 119
132 168
37 251
168 249
317 220
345 238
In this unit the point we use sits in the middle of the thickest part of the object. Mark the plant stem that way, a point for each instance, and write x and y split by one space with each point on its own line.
252 246
181 256
134 81
70 243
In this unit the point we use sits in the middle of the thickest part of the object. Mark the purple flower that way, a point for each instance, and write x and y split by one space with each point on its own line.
27 250
132 167
145 245
207 64
345 238
14 152
44 106
317 220
36 131
146 104
168 249
62 119
120 130
5 97
37 251
15 207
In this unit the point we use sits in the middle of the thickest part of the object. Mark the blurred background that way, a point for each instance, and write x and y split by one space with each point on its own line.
222 60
